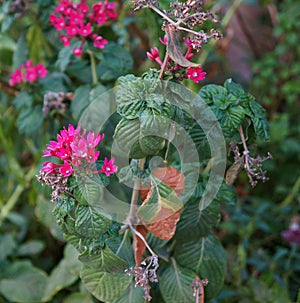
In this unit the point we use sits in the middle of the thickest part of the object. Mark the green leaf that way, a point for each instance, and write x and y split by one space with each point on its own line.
78 297
195 221
232 119
37 44
7 22
7 245
163 197
32 247
103 285
206 257
116 62
23 283
64 57
23 99
126 135
80 101
175 284
132 294
90 189
208 92
64 274
21 52
258 118
30 120
104 260
89 223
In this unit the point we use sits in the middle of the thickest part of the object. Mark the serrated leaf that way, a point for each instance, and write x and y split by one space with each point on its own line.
207 258
103 285
23 99
132 294
261 127
208 92
80 101
104 260
23 283
197 222
89 222
174 48
231 120
175 284
90 189
126 135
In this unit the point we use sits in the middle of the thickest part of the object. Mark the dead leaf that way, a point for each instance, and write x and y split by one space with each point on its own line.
169 175
174 48
233 171
138 245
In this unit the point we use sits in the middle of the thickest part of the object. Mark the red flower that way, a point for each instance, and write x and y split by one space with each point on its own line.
108 167
196 74
154 55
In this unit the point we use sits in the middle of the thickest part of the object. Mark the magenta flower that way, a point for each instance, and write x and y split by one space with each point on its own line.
28 72
66 169
75 20
154 55
108 167
292 235
196 74
76 149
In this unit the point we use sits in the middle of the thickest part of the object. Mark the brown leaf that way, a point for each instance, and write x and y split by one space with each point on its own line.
169 175
174 48
233 171
138 244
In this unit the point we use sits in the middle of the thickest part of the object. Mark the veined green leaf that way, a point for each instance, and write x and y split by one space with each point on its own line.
175 284
132 294
90 223
104 286
81 101
207 258
208 92
232 119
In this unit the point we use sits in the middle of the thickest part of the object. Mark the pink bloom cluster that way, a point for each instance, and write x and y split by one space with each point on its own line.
28 72
76 149
76 21
195 74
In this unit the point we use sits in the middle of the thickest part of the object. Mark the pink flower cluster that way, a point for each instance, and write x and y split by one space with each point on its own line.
28 72
195 74
76 149
76 21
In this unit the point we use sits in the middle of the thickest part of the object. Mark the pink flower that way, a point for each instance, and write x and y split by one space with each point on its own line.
99 41
154 55
85 30
196 74
77 51
28 72
108 167
66 169
49 167
164 40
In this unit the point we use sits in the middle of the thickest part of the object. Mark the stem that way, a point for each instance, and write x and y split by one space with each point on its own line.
243 139
93 66
135 195
163 66
224 23
6 209
142 238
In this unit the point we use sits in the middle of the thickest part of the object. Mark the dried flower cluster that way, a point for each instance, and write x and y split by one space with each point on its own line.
18 7
252 165
56 101
28 72
76 20
56 181
144 275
